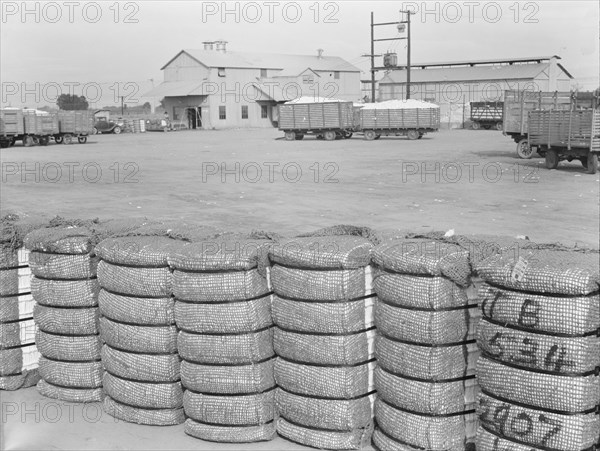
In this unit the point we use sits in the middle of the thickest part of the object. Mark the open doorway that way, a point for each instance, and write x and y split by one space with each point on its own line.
194 117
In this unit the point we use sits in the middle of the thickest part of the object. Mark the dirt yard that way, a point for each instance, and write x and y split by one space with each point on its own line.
469 181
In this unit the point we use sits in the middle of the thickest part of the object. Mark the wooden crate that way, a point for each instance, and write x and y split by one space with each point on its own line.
399 119
11 122
565 129
75 122
316 116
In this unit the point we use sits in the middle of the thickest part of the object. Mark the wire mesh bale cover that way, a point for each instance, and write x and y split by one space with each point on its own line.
67 321
425 431
68 348
62 293
151 417
140 366
136 265
323 438
230 434
137 310
144 394
501 420
543 271
139 338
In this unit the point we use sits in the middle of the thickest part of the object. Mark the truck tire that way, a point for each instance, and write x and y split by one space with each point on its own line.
290 136
412 134
591 163
82 139
524 150
475 126
58 139
552 159
370 135
329 135
117 130
299 137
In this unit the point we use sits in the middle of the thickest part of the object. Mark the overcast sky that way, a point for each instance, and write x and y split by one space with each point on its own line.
112 44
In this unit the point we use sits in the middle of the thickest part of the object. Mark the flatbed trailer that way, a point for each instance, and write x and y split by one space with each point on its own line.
74 124
518 104
486 115
567 135
375 120
327 120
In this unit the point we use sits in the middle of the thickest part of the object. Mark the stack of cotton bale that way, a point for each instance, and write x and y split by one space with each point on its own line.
18 354
324 339
137 324
540 366
426 351
65 289
223 313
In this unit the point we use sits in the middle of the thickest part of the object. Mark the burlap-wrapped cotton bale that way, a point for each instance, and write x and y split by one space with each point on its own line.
331 414
139 338
231 409
135 281
443 396
314 316
223 312
544 390
572 432
151 417
70 348
539 351
305 347
69 394
62 267
71 374
234 434
18 354
223 349
556 314
147 395
325 381
229 317
425 431
60 293
139 366
324 438
66 321
137 310
253 377
543 271
426 362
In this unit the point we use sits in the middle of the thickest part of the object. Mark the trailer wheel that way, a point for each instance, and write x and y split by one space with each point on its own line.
82 139
591 163
299 137
499 126
475 126
4 144
329 135
370 135
412 134
68 139
28 141
58 139
551 159
290 136
44 140
524 150
487 127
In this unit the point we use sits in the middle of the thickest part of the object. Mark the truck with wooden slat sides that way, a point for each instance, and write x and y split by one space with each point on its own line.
486 115
11 126
567 135
410 118
29 126
518 104
74 124
326 118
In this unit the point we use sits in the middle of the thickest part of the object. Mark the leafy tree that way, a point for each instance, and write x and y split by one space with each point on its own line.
72 102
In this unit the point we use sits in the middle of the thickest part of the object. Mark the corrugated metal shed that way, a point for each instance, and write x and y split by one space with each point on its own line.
476 73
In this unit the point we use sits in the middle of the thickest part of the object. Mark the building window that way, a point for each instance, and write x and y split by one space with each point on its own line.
244 111
307 79
222 114
221 71
264 111
336 75
263 73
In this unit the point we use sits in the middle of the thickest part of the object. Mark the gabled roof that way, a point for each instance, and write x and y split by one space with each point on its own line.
512 60
177 89
213 58
476 73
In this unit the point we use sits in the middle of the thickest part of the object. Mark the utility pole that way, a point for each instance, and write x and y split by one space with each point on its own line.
122 106
400 25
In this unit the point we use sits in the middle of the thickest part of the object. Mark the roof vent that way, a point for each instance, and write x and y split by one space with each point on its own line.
221 46
208 45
